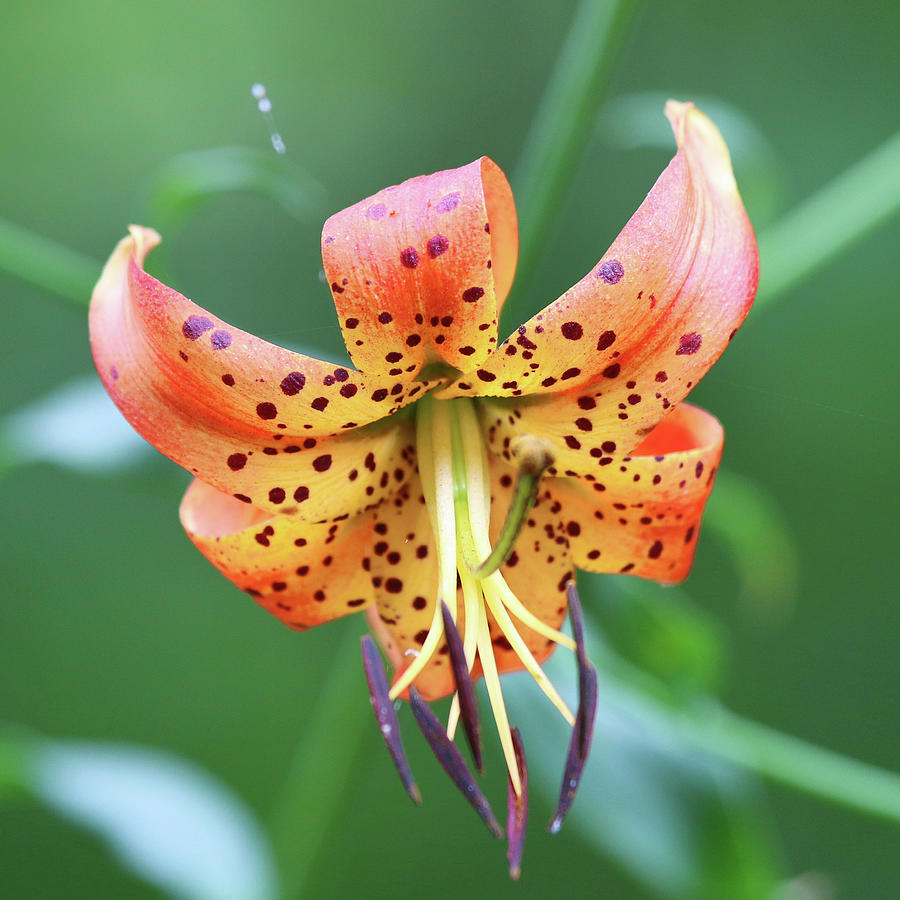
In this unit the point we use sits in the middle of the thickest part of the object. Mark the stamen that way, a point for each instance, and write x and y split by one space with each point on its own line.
534 458
517 815
465 692
451 759
386 715
582 733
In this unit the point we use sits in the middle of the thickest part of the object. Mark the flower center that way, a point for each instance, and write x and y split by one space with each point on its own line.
455 474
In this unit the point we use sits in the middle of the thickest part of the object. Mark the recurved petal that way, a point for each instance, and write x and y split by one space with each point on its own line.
640 514
608 359
304 574
242 414
420 271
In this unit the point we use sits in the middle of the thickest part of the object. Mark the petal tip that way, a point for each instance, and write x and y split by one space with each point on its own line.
699 138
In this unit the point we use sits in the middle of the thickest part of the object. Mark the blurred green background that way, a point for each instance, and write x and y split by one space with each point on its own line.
113 628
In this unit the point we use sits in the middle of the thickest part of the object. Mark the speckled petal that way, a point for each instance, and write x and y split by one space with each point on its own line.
606 361
242 414
641 513
304 574
403 568
538 569
420 271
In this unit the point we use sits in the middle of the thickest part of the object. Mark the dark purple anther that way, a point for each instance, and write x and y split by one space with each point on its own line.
451 759
517 816
468 704
583 732
386 715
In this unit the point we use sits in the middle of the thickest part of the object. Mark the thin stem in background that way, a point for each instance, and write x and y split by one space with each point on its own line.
830 221
564 124
46 264
312 795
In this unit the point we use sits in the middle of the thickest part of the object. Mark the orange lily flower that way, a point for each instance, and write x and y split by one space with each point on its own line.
450 485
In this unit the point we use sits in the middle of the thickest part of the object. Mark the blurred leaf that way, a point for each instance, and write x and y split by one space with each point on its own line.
636 120
746 518
188 180
165 819
76 426
681 821
658 629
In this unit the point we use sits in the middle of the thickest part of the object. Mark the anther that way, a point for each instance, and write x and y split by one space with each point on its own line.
451 759
517 815
468 704
386 715
582 733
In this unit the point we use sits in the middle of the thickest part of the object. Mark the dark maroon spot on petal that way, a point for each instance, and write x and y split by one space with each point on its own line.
376 211
348 390
293 383
351 323
609 446
328 380
586 402
572 330
322 463
611 271
393 356
470 295
570 373
656 550
242 497
634 399
394 586
237 461
266 410
183 355
572 442
612 371
319 403
385 318
606 340
661 377
409 257
437 245
486 376
194 326
419 603
379 395
336 288
573 529
584 424
548 382
220 340
413 340
689 534
448 202
276 495
228 379
467 351
699 469
301 494
690 343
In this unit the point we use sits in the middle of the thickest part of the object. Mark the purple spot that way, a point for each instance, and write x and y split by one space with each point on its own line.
319 403
220 340
409 257
572 331
194 326
114 373
448 202
266 410
437 245
611 271
470 295
376 211
293 383
690 343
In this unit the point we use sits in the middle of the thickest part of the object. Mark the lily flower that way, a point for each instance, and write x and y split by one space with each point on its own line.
450 484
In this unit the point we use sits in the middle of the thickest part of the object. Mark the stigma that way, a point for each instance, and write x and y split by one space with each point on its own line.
474 606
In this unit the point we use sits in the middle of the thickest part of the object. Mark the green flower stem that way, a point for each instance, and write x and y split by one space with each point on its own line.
46 264
564 123
324 766
856 202
797 764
